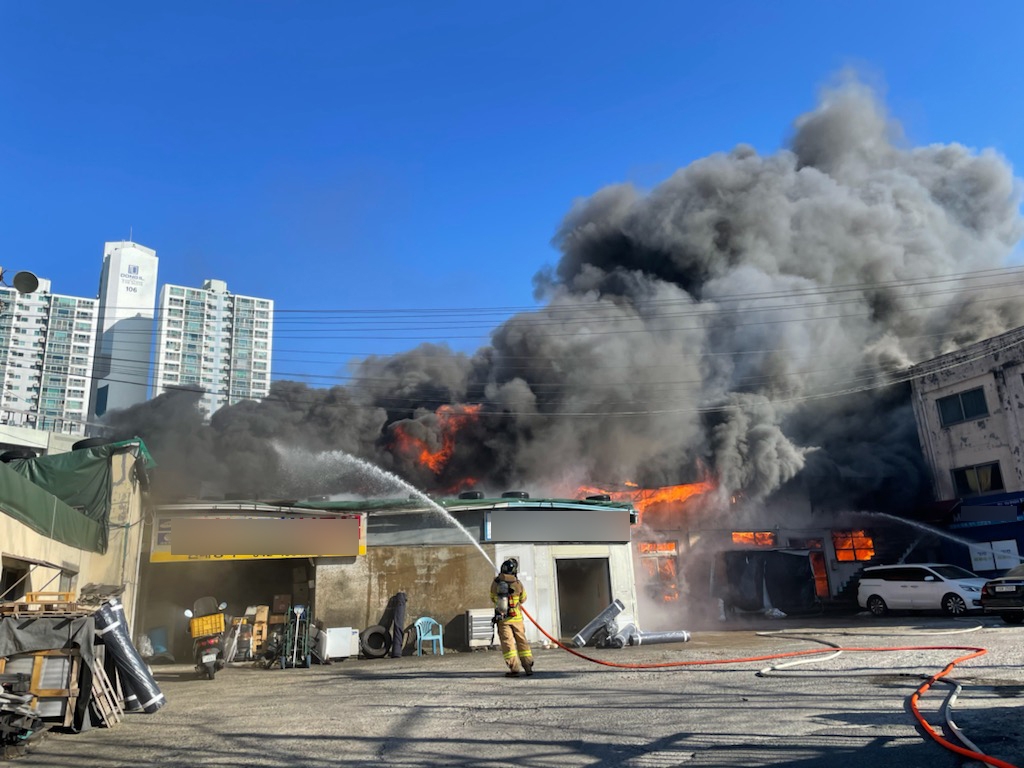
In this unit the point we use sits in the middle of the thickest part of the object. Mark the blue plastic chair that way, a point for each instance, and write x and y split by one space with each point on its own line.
428 629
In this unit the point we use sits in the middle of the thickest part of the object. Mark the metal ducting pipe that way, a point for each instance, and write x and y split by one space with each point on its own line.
621 637
650 638
601 621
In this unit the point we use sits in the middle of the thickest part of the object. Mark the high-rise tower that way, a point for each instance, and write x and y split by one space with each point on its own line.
126 305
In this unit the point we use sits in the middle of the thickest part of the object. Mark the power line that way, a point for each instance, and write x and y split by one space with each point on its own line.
874 381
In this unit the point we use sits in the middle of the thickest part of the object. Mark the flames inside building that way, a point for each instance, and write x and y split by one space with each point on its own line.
752 313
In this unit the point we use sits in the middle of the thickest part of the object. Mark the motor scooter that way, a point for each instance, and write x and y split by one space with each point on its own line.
207 630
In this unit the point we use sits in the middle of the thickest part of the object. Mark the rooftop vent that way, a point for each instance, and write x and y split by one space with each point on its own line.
471 495
599 497
515 495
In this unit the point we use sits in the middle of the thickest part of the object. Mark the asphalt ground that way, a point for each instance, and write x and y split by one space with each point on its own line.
460 710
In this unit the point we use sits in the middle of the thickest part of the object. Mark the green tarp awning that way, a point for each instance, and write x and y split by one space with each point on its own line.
46 514
79 481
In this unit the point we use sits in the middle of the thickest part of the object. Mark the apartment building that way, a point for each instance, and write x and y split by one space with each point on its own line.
47 344
216 341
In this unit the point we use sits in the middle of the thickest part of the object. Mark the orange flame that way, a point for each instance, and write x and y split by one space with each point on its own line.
655 547
451 419
754 538
853 545
646 498
658 559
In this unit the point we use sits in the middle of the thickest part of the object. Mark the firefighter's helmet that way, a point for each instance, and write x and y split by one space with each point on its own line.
510 566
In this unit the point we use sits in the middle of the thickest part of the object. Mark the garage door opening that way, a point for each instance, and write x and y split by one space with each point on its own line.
170 588
584 590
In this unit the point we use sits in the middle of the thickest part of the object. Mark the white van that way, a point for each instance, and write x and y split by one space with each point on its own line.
919 586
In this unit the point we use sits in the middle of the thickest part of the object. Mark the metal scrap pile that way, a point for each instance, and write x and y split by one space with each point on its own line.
613 629
20 723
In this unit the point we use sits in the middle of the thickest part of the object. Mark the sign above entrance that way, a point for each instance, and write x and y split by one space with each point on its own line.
604 525
199 539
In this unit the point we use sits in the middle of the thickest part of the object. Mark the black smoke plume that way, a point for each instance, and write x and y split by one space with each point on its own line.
750 314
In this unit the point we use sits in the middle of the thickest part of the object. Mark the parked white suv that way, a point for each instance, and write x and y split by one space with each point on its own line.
919 586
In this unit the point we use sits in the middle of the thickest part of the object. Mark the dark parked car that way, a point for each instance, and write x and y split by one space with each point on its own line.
1005 595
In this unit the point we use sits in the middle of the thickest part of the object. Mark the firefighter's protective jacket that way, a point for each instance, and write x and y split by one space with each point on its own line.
516 596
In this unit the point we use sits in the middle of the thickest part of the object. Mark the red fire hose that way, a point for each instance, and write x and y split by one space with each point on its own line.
915 697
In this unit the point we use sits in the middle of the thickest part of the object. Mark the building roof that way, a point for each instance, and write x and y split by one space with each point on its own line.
384 506
976 351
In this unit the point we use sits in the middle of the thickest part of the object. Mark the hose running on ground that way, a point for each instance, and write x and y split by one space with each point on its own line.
975 652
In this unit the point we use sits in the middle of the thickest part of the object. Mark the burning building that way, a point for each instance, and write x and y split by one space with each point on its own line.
754 314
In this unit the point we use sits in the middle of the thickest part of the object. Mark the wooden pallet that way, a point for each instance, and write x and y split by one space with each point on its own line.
49 609
22 613
49 597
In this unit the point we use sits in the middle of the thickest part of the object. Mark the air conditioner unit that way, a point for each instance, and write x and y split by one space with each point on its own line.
479 630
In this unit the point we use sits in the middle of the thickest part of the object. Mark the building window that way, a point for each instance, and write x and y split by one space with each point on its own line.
981 478
658 559
853 546
962 407
754 538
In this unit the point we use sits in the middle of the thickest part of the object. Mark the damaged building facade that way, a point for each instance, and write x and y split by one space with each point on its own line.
702 560
969 407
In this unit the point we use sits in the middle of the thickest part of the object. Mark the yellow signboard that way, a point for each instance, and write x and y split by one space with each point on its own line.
214 539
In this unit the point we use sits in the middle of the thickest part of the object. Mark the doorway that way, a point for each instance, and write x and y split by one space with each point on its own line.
584 590
14 581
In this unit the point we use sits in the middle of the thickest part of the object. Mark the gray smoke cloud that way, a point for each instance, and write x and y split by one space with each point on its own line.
708 321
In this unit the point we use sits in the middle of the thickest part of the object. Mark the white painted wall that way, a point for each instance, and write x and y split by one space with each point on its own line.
538 573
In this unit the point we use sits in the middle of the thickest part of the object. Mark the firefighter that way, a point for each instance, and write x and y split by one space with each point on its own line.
507 594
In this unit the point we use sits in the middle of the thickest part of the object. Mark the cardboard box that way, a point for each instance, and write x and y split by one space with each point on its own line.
262 614
278 618
300 595
281 604
259 636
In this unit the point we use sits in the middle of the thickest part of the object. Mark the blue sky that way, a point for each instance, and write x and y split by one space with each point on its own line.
331 155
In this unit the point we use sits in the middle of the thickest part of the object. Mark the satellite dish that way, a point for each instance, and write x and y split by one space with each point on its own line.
25 282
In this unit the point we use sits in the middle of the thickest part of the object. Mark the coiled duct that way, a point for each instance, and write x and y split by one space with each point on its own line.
134 674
